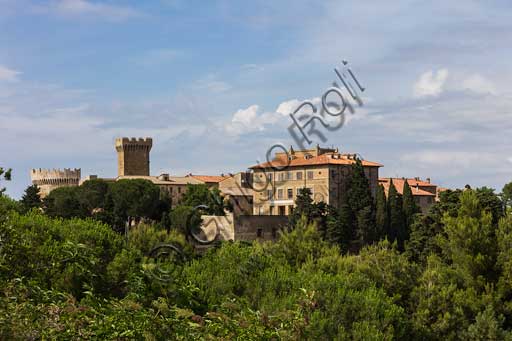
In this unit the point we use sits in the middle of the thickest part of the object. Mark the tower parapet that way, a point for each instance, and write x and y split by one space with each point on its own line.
133 155
50 179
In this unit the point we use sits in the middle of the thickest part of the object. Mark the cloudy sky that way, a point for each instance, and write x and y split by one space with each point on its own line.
213 82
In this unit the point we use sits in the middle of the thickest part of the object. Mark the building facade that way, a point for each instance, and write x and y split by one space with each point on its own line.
423 191
324 171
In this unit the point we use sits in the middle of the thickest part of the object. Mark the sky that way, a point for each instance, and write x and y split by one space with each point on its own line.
214 82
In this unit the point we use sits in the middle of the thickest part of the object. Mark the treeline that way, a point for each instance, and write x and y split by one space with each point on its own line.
123 203
370 270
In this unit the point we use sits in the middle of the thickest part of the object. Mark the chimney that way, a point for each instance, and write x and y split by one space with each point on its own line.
428 180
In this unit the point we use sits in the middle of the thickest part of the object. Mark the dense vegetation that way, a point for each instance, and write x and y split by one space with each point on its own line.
372 270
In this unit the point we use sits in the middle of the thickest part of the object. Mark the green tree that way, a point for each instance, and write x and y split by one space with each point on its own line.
93 195
31 198
397 228
7 174
506 195
64 202
314 212
201 195
409 205
490 202
381 213
360 200
133 200
468 241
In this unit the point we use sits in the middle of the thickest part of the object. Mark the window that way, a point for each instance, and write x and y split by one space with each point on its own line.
271 210
299 175
269 176
290 209
290 193
282 210
289 175
281 176
298 190
310 175
280 193
269 194
259 233
179 189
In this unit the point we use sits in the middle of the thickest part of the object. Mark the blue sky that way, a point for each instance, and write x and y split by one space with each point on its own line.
212 82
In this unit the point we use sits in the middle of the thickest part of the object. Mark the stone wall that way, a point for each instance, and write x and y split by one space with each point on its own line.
259 227
50 179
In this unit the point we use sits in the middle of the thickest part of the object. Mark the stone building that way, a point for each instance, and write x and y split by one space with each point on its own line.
212 181
423 191
237 189
324 171
50 179
133 156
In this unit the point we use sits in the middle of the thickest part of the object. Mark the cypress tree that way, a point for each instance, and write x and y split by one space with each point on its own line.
381 213
396 229
303 206
409 205
360 200
31 198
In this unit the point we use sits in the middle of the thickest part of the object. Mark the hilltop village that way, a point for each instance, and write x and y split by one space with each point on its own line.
261 197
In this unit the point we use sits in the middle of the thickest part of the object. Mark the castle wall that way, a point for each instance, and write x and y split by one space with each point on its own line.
49 179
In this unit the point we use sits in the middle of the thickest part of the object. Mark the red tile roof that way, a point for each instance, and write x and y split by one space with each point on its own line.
208 178
324 159
413 183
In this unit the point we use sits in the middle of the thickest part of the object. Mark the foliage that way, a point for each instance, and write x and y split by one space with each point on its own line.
6 174
506 195
397 230
31 198
381 213
360 201
70 278
409 205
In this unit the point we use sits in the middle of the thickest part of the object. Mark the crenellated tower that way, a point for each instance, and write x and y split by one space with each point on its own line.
133 155
50 179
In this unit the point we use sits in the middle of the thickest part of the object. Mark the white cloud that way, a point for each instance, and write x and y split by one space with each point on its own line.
86 7
246 120
479 84
430 83
510 159
8 75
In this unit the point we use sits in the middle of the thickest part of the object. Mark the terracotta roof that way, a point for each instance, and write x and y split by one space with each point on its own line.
413 183
324 159
173 180
208 178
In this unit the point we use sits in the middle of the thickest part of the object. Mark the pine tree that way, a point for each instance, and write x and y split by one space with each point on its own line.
409 205
396 229
360 200
381 213
31 198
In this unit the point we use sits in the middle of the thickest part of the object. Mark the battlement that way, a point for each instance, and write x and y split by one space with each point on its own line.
133 143
133 155
49 179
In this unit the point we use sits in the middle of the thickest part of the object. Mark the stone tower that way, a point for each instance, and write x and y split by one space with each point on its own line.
133 155
50 179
